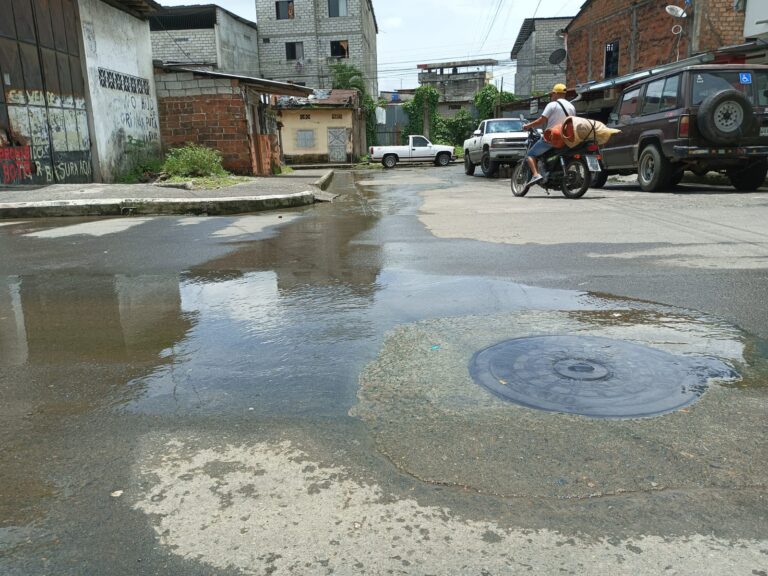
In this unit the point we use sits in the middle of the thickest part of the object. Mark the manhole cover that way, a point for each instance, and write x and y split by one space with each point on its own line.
594 376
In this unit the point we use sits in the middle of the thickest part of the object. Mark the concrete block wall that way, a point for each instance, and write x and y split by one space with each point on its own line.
313 27
197 46
534 72
206 111
238 45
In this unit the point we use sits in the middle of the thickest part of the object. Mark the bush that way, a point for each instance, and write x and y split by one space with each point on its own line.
193 160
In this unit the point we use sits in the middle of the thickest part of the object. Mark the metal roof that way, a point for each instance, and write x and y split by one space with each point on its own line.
269 86
139 8
703 58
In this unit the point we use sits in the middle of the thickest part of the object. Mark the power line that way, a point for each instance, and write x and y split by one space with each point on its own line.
491 25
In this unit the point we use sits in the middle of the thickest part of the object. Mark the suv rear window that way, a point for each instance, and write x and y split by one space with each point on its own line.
704 84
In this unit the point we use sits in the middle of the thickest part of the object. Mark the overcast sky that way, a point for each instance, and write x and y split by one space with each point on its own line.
412 32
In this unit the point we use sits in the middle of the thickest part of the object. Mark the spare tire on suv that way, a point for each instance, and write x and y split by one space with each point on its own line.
725 116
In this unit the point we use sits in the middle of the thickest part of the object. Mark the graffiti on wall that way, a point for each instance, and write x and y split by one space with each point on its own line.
138 116
134 129
45 144
15 164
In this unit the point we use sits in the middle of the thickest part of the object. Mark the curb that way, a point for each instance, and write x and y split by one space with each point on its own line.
155 206
325 181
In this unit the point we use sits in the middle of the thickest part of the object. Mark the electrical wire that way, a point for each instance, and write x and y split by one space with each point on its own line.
491 24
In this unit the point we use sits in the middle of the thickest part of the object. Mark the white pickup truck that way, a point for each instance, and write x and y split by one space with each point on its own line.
418 149
496 141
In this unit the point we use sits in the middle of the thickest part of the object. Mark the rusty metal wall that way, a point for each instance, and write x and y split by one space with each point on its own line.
44 136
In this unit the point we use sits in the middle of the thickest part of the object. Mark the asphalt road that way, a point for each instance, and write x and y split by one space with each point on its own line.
290 392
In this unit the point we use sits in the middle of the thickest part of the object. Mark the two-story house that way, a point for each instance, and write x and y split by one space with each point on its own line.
300 39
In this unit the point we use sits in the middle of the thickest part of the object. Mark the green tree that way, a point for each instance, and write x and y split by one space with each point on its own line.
488 98
348 77
458 128
423 96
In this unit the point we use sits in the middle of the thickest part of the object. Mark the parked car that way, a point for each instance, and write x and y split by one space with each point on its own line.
418 149
700 118
496 141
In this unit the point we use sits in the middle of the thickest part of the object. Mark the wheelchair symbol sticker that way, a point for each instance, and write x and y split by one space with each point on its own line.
745 77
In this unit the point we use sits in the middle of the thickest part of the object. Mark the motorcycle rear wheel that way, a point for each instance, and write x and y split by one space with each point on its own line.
520 176
576 179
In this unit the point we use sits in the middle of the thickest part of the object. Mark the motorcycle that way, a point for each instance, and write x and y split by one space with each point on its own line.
569 169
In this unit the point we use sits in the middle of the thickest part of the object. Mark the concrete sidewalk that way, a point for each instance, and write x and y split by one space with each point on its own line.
266 193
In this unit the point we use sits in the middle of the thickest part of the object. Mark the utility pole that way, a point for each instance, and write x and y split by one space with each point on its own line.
426 117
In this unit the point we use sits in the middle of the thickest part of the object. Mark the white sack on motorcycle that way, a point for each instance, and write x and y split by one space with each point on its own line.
576 130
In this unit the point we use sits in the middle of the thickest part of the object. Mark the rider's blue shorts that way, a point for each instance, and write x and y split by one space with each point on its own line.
541 147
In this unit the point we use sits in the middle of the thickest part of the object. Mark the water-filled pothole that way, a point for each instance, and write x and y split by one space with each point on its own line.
594 376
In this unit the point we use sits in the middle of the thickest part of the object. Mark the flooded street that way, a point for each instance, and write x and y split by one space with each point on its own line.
292 392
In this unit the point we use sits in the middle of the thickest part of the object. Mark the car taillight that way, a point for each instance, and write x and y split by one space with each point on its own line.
593 148
683 127
370 151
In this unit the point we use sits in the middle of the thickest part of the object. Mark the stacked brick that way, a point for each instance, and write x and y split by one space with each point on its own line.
644 33
206 111
718 25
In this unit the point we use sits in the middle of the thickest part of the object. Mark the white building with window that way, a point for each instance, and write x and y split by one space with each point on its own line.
300 39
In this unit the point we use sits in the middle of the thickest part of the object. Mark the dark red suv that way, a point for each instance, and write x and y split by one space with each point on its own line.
701 118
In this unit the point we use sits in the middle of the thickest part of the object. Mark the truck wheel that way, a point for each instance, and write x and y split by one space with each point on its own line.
488 166
749 178
389 161
653 170
469 168
726 116
443 159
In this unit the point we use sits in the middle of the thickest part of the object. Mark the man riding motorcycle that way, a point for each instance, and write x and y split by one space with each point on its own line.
555 113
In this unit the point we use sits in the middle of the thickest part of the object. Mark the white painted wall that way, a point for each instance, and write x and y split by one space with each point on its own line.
124 125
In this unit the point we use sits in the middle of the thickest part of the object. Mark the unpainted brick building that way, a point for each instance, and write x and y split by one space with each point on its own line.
609 38
226 112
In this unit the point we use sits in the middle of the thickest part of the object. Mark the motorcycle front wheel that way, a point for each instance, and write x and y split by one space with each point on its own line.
576 179
520 176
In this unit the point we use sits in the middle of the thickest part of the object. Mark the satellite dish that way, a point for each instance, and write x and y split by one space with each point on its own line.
557 56
675 11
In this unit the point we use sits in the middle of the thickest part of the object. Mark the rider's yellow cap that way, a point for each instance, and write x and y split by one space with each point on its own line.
559 89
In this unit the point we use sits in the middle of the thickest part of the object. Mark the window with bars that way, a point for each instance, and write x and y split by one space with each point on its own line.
284 9
305 138
294 50
611 59
337 8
